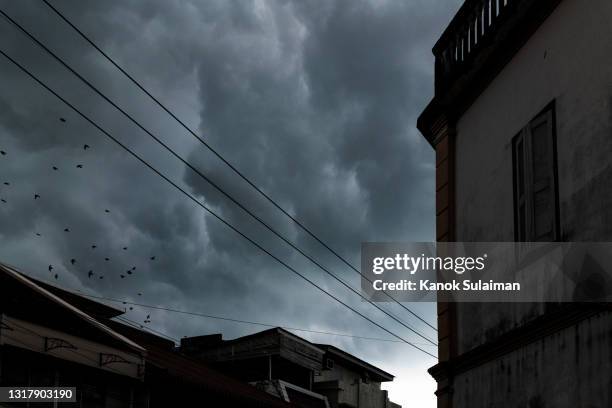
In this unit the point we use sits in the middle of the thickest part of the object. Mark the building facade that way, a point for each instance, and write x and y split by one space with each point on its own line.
521 122
53 337
348 381
46 341
294 369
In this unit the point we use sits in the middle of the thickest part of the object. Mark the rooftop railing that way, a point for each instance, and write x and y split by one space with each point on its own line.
470 30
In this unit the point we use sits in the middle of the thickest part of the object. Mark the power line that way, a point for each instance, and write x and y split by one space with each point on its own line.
206 178
137 325
223 318
225 161
229 319
195 200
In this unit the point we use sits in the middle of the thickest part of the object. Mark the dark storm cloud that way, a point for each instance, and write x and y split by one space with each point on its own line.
332 116
314 101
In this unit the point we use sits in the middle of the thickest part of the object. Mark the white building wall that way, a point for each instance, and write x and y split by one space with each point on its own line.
569 60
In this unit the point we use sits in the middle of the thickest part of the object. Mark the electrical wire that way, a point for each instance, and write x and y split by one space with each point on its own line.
209 316
220 157
229 319
207 179
195 200
137 325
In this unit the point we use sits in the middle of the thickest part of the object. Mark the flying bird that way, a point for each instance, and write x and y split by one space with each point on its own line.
101 277
62 120
131 308
3 200
79 166
85 147
148 316
73 261
36 196
133 268
122 276
6 183
50 268
55 168
153 258
2 152
106 211
125 248
129 272
90 274
139 294
66 229
55 276
38 234
93 247
107 259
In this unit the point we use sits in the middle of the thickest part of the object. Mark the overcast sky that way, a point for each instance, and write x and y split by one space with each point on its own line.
316 102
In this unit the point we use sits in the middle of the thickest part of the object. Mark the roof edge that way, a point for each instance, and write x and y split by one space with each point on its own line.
23 278
356 360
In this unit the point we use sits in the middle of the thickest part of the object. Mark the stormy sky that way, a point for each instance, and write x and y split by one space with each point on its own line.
314 101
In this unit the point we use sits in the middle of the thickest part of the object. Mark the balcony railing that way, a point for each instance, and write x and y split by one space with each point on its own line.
470 30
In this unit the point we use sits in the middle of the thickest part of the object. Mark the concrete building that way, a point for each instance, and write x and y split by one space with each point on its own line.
347 381
521 122
273 360
53 337
294 369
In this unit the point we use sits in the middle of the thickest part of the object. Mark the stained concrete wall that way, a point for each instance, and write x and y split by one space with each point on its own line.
571 368
568 60
348 381
353 391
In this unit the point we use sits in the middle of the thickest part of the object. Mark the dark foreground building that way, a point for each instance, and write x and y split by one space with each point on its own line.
51 337
348 381
294 369
521 122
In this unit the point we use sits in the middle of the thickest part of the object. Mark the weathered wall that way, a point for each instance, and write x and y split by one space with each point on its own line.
353 391
568 60
568 369
348 380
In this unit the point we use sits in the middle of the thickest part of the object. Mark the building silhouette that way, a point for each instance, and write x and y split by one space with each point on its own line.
294 369
52 337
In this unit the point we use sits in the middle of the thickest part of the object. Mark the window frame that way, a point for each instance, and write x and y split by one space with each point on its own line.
522 143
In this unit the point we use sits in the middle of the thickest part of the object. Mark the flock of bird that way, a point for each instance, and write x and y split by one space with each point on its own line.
73 261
